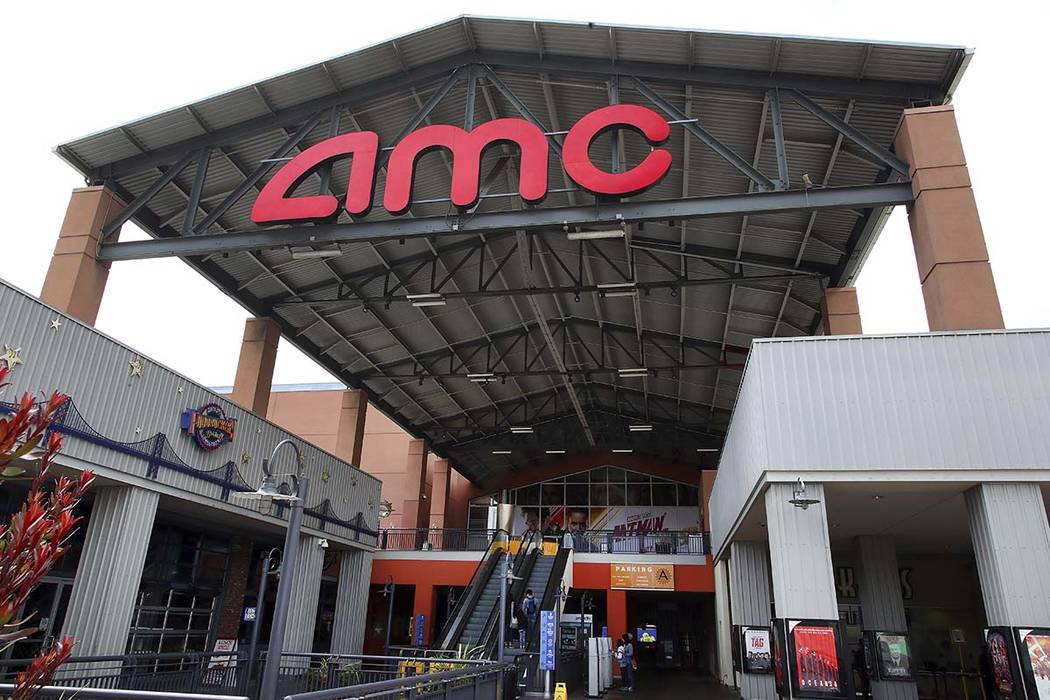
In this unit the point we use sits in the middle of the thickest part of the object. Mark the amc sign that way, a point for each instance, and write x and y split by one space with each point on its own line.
275 203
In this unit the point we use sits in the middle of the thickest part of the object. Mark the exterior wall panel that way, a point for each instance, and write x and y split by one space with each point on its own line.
938 401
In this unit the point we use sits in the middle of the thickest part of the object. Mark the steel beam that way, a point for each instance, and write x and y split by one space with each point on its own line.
601 214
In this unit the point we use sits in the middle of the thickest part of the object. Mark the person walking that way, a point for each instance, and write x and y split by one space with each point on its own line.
625 654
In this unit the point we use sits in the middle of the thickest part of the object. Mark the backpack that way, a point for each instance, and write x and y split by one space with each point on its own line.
529 606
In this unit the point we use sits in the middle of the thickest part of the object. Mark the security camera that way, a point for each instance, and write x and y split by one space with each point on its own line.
323 544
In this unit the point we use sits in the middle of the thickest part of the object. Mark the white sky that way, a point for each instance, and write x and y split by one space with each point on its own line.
76 68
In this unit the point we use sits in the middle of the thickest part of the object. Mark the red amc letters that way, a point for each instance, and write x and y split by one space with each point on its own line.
275 205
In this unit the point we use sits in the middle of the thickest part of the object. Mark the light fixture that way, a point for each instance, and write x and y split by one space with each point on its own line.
428 299
876 497
611 290
501 452
628 372
310 253
385 508
622 451
521 429
640 428
482 377
595 235
555 452
798 496
707 449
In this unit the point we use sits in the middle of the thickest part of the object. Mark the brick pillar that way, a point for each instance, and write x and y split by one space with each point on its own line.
229 624
351 435
76 279
415 476
616 618
251 388
957 282
423 604
439 505
841 311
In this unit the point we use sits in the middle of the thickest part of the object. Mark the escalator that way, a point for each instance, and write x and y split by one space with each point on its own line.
546 577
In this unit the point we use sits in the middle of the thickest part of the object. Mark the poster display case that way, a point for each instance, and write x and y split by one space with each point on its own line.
1033 651
815 659
756 649
1002 656
893 656
780 661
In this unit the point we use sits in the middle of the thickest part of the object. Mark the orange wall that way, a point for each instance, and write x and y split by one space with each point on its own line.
424 575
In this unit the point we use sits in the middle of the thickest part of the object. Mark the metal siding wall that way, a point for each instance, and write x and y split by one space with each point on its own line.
882 607
351 603
750 595
1011 542
306 591
963 401
93 369
110 570
800 555
723 624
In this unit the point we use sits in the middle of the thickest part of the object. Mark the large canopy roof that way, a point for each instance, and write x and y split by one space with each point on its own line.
781 178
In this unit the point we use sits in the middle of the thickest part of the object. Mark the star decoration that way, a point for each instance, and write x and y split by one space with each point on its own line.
12 356
353 480
138 429
325 476
55 323
137 366
245 457
180 390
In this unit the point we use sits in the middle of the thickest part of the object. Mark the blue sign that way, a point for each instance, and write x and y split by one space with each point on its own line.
548 636
420 619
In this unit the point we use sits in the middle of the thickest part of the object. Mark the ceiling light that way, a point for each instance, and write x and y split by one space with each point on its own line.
622 451
633 372
521 429
555 452
594 235
482 377
310 253
707 449
618 289
501 452
429 299
640 428
876 497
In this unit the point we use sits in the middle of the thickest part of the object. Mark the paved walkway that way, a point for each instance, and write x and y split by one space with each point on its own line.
671 685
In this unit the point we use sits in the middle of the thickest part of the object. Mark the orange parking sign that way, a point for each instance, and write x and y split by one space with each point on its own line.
643 576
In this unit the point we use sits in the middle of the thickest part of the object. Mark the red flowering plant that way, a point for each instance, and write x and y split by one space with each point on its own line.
35 537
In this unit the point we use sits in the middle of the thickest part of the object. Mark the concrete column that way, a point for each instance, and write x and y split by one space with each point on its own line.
881 605
306 590
351 436
439 496
423 604
1011 542
749 599
957 282
229 624
415 484
351 601
723 625
76 279
110 570
616 618
800 555
251 387
841 311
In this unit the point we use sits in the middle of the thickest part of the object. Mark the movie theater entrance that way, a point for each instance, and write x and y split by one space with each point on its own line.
673 630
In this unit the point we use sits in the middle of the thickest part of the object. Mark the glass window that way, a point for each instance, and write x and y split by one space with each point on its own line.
599 495
599 475
616 475
576 494
529 496
688 495
553 494
664 494
617 495
638 495
578 478
636 477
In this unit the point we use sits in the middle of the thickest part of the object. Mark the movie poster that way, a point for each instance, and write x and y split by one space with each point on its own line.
758 656
816 661
779 662
894 656
1035 650
1002 665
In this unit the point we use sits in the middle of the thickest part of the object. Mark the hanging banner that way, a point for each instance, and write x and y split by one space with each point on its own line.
652 577
548 635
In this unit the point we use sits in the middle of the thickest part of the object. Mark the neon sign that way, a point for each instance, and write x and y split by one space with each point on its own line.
208 426
274 203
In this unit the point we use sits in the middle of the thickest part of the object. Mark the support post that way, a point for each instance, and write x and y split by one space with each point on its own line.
110 570
841 311
749 601
251 388
76 279
442 476
881 604
351 601
956 277
306 591
800 555
723 624
351 432
415 481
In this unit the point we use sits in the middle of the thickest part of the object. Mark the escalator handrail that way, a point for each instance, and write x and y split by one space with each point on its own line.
458 619
522 560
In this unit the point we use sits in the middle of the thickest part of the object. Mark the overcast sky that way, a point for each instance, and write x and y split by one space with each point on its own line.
72 69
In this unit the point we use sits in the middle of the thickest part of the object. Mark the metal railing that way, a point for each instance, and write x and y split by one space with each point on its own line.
56 691
467 681
590 541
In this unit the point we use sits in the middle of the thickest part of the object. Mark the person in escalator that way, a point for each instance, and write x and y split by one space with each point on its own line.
531 607
522 623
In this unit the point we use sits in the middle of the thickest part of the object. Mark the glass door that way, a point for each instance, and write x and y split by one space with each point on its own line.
46 605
